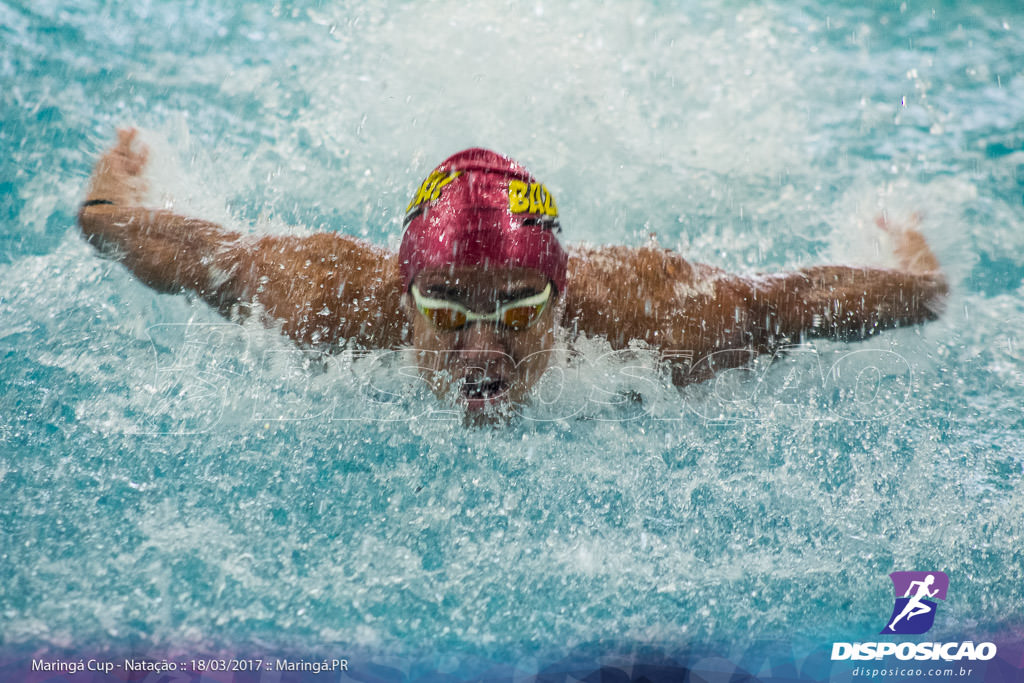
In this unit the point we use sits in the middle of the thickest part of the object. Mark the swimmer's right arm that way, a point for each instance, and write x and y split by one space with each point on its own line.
324 289
166 251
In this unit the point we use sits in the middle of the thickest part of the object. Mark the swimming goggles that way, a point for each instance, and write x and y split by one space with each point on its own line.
449 316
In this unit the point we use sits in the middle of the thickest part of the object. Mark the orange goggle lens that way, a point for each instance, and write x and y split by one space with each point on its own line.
521 317
444 318
449 316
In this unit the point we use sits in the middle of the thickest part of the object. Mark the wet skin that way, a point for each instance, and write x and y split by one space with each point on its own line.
328 291
483 365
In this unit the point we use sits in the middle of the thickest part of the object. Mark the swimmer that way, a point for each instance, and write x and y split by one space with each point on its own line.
482 286
914 606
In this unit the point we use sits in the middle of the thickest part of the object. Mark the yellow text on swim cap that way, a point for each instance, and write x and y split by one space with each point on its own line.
530 198
431 188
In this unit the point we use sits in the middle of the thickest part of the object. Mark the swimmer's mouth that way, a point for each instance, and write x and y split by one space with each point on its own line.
484 391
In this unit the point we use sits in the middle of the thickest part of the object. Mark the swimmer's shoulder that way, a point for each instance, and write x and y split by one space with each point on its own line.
326 254
648 268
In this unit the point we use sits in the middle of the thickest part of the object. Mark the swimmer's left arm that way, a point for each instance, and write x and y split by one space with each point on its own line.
851 303
703 319
843 303
694 314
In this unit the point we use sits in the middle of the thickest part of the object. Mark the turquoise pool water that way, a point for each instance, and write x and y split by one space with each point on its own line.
174 484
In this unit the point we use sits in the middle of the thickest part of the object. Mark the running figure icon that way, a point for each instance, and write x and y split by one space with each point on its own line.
913 590
914 606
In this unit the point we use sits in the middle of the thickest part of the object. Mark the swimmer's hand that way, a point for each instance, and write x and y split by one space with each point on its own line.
118 175
909 245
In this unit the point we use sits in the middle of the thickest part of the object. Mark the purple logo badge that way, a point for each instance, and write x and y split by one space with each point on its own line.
914 610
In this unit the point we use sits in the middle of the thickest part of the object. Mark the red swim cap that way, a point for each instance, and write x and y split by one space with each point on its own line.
479 208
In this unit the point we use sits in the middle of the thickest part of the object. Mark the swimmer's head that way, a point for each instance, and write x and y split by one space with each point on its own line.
483 271
482 209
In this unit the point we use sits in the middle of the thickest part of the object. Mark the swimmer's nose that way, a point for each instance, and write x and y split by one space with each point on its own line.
483 365
483 339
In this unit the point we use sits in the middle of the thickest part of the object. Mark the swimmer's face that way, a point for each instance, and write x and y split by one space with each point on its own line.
483 364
